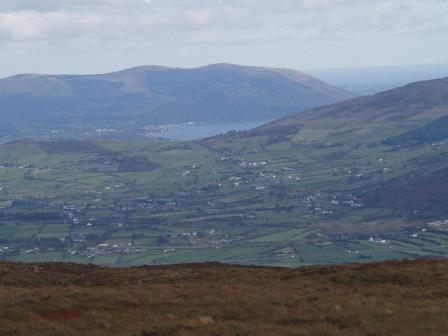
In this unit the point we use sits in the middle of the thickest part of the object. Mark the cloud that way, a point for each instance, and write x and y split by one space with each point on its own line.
242 29
198 17
31 25
29 20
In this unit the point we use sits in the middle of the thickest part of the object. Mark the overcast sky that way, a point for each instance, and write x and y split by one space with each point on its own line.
92 36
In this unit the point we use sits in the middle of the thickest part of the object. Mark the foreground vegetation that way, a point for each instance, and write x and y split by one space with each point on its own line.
407 298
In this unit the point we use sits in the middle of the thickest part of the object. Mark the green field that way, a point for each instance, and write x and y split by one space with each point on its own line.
249 201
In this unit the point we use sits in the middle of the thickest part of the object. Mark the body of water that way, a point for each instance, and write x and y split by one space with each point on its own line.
188 132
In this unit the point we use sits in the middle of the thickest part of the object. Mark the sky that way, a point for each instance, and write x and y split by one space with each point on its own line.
96 36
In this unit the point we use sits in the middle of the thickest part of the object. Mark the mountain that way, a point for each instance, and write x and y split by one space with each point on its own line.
416 102
407 298
161 95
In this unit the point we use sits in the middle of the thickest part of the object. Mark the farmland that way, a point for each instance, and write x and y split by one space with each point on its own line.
259 200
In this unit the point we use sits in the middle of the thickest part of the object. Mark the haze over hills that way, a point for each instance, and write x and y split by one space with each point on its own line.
161 95
371 80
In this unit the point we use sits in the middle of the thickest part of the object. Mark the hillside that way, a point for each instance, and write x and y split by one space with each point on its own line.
392 144
418 102
425 192
160 95
397 298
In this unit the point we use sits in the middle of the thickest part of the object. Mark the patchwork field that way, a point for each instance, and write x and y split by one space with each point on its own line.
257 200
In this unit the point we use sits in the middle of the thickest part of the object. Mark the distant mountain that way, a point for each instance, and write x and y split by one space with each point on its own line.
423 101
160 95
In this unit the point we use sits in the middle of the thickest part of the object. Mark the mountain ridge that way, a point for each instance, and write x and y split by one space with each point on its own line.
420 101
160 95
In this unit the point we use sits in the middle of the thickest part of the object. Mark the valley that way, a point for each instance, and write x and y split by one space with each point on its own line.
223 168
246 197
358 181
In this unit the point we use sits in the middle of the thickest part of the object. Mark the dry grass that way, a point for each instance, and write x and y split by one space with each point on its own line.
396 298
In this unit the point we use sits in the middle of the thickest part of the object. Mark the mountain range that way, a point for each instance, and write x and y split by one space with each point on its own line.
161 95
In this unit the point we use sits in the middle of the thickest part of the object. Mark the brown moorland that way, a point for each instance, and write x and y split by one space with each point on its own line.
394 298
